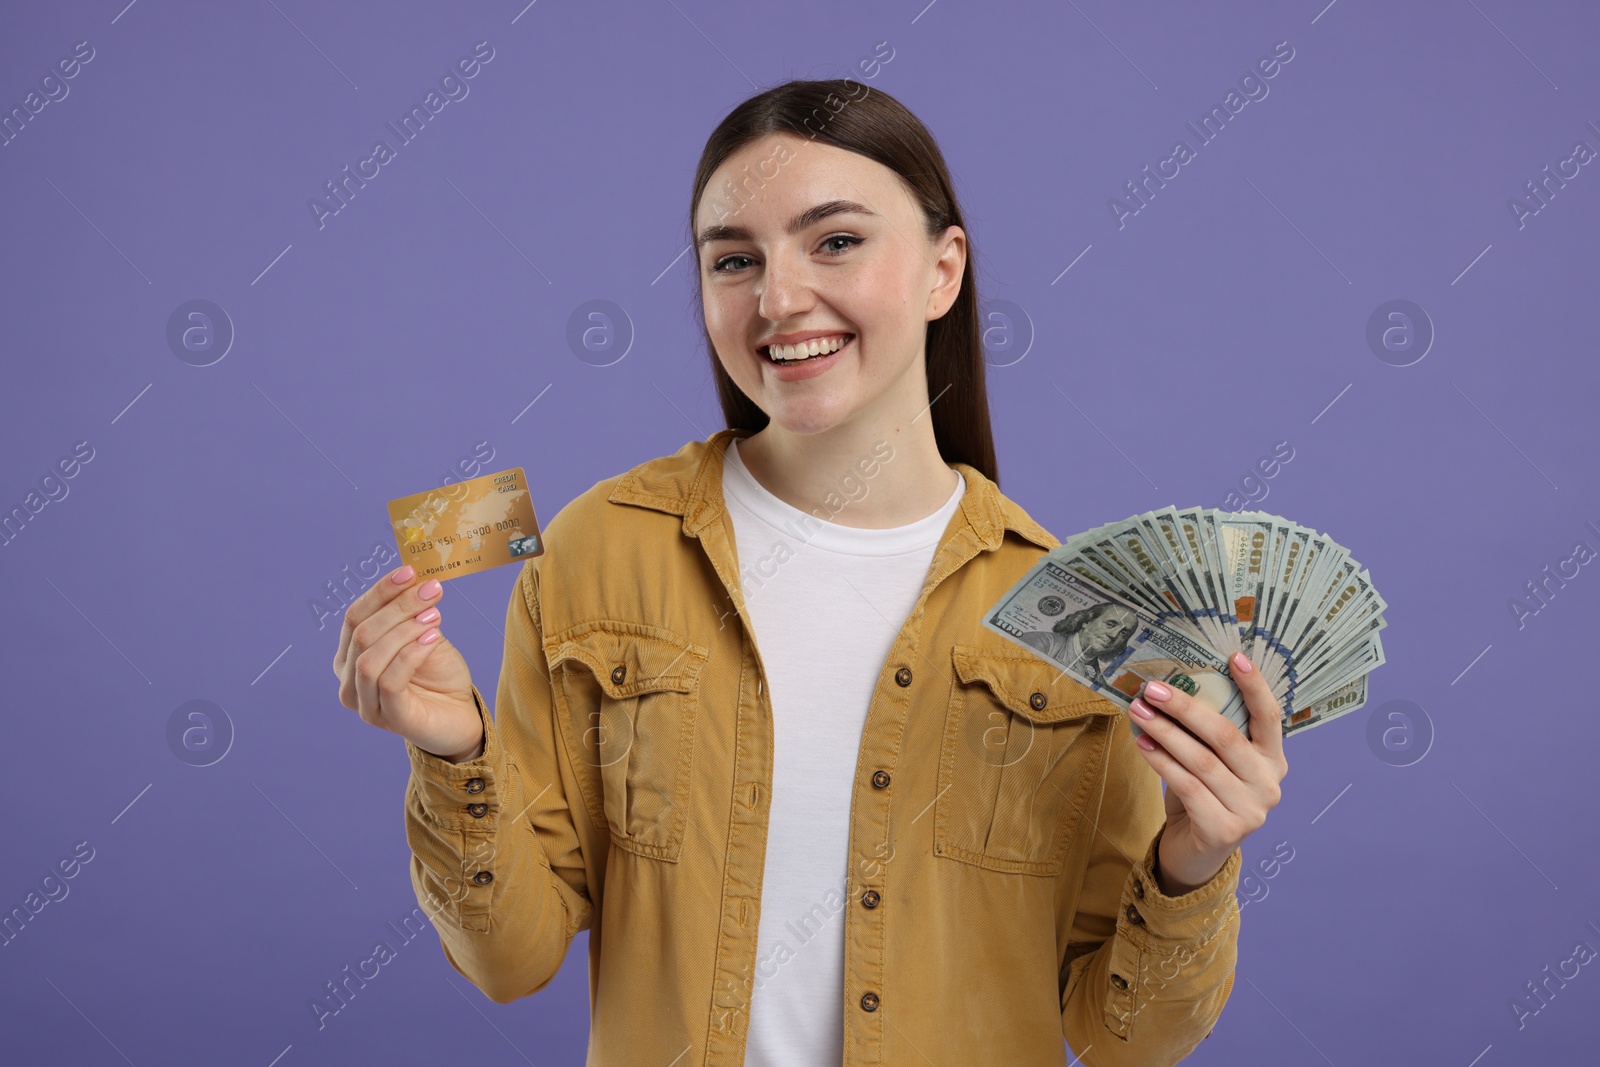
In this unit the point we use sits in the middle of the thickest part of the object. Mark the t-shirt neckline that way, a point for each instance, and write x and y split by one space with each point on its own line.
816 531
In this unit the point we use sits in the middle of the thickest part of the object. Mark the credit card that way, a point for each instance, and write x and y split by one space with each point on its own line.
467 527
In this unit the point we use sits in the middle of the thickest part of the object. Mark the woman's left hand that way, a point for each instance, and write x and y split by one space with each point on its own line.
1216 796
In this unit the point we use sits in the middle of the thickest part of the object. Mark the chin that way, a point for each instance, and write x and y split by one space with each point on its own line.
805 423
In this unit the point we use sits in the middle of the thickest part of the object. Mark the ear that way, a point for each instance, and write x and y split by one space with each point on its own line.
949 265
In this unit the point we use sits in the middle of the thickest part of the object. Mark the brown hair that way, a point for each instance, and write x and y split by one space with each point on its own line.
846 114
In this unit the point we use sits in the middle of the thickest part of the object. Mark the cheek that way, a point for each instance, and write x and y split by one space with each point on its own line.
726 327
876 299
719 312
884 303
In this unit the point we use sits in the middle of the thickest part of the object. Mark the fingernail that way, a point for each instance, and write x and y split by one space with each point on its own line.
428 638
1144 742
403 575
1242 662
1141 709
429 615
429 589
1157 691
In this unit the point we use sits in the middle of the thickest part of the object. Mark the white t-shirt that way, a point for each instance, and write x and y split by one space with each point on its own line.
827 602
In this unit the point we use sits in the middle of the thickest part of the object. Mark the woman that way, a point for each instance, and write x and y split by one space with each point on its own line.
750 733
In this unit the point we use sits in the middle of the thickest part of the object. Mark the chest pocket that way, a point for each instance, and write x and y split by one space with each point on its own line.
1023 744
631 696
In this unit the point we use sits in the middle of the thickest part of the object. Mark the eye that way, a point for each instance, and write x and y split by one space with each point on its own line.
828 244
721 267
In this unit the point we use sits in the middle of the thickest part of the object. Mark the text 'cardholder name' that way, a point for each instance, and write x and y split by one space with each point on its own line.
467 527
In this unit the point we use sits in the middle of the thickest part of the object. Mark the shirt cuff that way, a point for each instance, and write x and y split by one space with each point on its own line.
460 795
1197 915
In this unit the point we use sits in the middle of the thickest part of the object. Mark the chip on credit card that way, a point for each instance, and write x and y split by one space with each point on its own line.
467 527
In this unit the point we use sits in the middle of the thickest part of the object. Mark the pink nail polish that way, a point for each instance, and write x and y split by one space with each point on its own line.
429 589
403 575
1144 742
1156 691
1242 662
428 638
429 615
1141 709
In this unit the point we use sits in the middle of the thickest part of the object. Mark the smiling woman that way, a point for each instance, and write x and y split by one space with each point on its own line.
715 773
854 247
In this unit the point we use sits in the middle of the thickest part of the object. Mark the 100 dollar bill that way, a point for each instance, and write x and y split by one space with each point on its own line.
1109 645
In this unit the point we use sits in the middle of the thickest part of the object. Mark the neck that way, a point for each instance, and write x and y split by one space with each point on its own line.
888 473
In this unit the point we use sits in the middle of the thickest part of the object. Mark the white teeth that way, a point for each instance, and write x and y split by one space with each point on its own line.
806 349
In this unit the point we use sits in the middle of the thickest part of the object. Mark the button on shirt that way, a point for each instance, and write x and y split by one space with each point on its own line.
827 600
999 827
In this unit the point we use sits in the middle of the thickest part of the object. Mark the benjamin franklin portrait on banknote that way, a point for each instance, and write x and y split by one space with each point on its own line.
1087 640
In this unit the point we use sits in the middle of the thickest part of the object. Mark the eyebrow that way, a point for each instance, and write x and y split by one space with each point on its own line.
809 217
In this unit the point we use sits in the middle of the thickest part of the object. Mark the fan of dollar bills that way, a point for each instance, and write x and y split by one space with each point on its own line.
1171 594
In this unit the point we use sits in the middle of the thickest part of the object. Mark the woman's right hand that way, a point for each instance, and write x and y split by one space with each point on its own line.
398 672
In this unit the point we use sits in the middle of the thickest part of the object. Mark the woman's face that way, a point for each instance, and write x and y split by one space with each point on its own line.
818 242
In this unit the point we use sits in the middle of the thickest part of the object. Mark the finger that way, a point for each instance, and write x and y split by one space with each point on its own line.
1216 732
364 605
1266 716
408 602
383 671
1197 759
1205 808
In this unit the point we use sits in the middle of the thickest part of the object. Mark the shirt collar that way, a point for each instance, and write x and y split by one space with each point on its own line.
689 483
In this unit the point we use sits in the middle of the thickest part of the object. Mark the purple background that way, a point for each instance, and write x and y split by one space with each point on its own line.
373 353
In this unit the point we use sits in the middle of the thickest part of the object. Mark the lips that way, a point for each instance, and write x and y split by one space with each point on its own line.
827 345
799 370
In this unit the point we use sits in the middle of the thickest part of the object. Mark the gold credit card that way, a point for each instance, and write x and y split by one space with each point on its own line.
467 527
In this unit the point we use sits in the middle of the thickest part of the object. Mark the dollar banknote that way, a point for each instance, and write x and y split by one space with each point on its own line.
1170 595
1109 644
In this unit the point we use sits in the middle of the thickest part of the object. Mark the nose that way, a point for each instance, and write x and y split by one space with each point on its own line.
785 288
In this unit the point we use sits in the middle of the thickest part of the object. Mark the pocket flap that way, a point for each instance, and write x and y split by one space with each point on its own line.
1015 678
629 658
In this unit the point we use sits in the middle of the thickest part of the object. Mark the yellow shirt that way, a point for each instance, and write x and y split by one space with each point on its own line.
1001 893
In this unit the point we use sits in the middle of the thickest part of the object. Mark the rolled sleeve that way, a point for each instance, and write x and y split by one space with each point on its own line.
442 786
497 860
1146 975
1199 914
